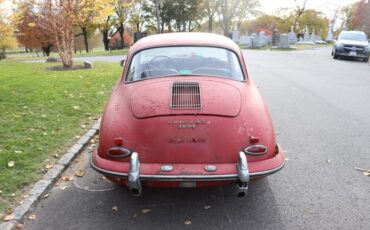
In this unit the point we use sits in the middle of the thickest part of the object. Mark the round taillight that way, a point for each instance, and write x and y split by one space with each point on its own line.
119 152
256 150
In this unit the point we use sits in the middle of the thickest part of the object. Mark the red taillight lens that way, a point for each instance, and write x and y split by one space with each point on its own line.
119 152
118 141
253 140
256 150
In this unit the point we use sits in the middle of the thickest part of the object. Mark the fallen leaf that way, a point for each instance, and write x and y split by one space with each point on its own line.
64 187
9 217
188 222
361 169
77 137
1 191
76 107
32 217
49 166
67 178
12 195
10 164
29 138
80 173
115 208
45 134
207 207
20 202
18 151
19 226
26 196
146 210
43 115
56 155
46 195
83 126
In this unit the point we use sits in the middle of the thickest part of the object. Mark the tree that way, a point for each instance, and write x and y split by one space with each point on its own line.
233 12
264 21
138 15
28 31
59 19
116 22
361 16
122 9
7 40
315 21
300 7
210 9
88 14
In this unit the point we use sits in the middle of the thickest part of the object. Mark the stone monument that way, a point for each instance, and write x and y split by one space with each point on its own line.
284 41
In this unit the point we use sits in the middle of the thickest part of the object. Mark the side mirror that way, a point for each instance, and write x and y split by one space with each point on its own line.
122 62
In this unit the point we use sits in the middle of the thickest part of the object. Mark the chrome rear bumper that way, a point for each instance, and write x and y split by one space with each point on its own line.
134 177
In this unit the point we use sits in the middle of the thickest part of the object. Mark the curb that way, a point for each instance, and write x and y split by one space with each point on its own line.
46 182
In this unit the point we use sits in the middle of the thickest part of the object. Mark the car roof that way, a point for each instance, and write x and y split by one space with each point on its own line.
184 39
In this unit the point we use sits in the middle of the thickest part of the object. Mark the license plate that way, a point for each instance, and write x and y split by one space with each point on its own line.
188 184
352 53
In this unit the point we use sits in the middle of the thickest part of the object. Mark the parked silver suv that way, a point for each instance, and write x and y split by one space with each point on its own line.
352 44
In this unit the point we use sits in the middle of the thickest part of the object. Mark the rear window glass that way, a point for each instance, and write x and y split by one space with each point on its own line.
184 60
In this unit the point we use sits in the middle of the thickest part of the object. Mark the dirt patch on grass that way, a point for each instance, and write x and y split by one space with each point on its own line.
62 68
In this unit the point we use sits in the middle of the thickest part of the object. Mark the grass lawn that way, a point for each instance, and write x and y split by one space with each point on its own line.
41 113
21 55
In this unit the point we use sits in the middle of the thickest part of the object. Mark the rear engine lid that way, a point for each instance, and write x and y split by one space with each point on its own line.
185 97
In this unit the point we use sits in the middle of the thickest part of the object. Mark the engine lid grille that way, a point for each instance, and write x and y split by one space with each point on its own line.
185 95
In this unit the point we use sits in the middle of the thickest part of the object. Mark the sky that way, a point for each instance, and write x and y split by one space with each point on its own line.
325 6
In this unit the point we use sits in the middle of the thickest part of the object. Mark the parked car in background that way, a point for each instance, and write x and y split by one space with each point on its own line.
352 44
186 114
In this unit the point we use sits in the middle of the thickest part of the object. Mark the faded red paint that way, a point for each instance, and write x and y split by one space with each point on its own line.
139 114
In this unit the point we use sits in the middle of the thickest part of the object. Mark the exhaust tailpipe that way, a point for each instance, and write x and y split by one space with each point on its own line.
241 189
134 184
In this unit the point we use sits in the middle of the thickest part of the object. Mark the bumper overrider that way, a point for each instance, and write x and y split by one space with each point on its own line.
135 172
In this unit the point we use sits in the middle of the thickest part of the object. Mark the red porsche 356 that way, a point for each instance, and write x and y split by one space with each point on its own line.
186 114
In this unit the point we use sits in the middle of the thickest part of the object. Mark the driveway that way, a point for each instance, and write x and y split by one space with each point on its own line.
321 112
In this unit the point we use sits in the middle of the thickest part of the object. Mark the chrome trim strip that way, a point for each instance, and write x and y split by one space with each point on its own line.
128 152
187 177
245 150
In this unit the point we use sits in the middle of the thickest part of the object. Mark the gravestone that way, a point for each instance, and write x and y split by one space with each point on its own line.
292 36
313 36
235 36
261 38
255 41
245 40
284 41
88 65
275 38
138 36
306 36
329 36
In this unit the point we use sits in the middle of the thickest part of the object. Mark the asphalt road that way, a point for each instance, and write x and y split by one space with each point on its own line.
321 112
